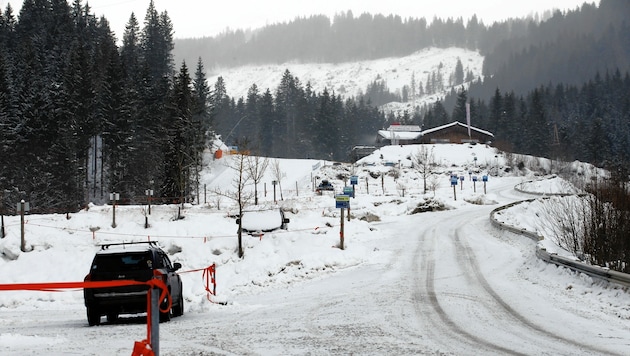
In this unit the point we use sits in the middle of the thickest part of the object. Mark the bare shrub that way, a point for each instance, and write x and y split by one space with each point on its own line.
607 227
401 187
434 183
428 205
563 220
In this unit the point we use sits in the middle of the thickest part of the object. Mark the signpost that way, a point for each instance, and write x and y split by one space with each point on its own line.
149 193
454 184
342 202
354 180
348 191
484 179
475 184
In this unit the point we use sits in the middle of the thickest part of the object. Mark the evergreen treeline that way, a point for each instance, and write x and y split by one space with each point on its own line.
294 121
589 122
80 117
345 38
567 49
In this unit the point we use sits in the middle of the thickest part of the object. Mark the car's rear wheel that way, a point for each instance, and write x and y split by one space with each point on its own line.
93 316
164 317
178 309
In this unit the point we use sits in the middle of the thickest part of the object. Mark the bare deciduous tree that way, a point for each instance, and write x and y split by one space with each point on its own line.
256 167
217 201
277 175
434 183
424 162
239 195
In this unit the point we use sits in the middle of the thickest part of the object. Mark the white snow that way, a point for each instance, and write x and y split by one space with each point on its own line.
441 282
352 78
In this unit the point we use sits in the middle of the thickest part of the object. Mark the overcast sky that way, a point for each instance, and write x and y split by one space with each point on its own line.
197 18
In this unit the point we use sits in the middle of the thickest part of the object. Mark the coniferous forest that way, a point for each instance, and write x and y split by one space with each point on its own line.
81 117
83 114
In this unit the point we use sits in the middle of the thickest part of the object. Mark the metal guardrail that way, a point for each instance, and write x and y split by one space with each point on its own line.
593 271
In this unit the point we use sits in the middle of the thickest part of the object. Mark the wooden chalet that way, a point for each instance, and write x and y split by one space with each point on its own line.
454 132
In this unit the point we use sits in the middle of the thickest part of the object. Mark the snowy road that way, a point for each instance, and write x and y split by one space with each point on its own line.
443 289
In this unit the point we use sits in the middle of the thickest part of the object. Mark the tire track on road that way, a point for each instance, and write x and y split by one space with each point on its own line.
463 248
425 291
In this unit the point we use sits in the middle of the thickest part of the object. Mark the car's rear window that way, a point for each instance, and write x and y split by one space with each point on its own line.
123 262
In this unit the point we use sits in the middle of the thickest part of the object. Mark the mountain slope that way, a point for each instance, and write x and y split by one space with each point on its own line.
351 79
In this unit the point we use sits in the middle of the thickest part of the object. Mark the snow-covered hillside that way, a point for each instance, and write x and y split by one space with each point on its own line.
350 79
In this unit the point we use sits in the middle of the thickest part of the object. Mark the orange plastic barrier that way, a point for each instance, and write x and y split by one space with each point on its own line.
209 275
141 348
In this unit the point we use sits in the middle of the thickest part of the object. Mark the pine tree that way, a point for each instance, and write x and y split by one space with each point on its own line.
496 125
122 131
326 130
130 52
180 151
220 111
201 105
459 72
8 124
156 40
267 113
288 96
537 132
252 117
437 116
459 112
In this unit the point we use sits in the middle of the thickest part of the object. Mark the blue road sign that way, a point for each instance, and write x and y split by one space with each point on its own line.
342 201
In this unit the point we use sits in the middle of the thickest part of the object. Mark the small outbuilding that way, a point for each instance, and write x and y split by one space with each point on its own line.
399 135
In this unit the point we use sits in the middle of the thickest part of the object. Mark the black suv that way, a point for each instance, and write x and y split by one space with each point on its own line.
324 185
136 261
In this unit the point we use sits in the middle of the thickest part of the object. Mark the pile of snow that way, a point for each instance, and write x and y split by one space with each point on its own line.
549 185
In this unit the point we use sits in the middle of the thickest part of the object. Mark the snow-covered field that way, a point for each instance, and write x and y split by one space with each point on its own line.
440 282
